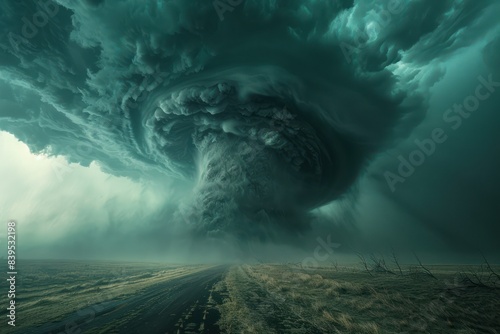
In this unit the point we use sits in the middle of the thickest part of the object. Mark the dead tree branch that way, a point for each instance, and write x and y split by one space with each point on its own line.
396 261
422 268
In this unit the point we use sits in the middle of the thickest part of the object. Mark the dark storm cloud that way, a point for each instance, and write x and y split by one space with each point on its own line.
265 111
491 53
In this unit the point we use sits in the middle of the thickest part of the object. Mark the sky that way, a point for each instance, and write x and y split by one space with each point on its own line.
205 131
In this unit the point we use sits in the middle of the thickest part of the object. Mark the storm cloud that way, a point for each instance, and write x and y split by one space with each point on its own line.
264 110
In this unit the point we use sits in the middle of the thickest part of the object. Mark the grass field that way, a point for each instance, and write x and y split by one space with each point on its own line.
287 299
259 298
47 291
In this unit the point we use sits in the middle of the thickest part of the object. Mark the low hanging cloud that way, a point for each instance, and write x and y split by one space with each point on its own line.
266 113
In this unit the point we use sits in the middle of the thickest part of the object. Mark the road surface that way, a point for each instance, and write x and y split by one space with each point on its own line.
180 305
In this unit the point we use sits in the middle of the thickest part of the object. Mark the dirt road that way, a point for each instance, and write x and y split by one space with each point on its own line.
181 305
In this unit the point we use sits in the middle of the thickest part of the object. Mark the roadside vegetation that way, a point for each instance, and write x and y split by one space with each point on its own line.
374 296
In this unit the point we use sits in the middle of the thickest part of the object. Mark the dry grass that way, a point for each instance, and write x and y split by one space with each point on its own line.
351 301
51 290
236 317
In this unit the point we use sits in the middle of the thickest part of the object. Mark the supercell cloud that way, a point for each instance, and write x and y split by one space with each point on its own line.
264 110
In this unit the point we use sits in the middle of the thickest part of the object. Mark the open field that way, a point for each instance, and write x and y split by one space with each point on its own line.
287 299
73 295
112 297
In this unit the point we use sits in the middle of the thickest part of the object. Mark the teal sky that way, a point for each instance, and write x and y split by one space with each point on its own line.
170 130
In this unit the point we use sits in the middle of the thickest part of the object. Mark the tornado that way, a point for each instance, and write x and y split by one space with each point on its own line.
261 110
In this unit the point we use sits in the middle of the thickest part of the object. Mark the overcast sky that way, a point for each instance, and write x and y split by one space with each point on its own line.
187 130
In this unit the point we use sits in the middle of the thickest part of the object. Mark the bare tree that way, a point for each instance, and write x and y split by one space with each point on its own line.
396 261
421 269
365 264
493 276
472 278
335 265
482 277
379 265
